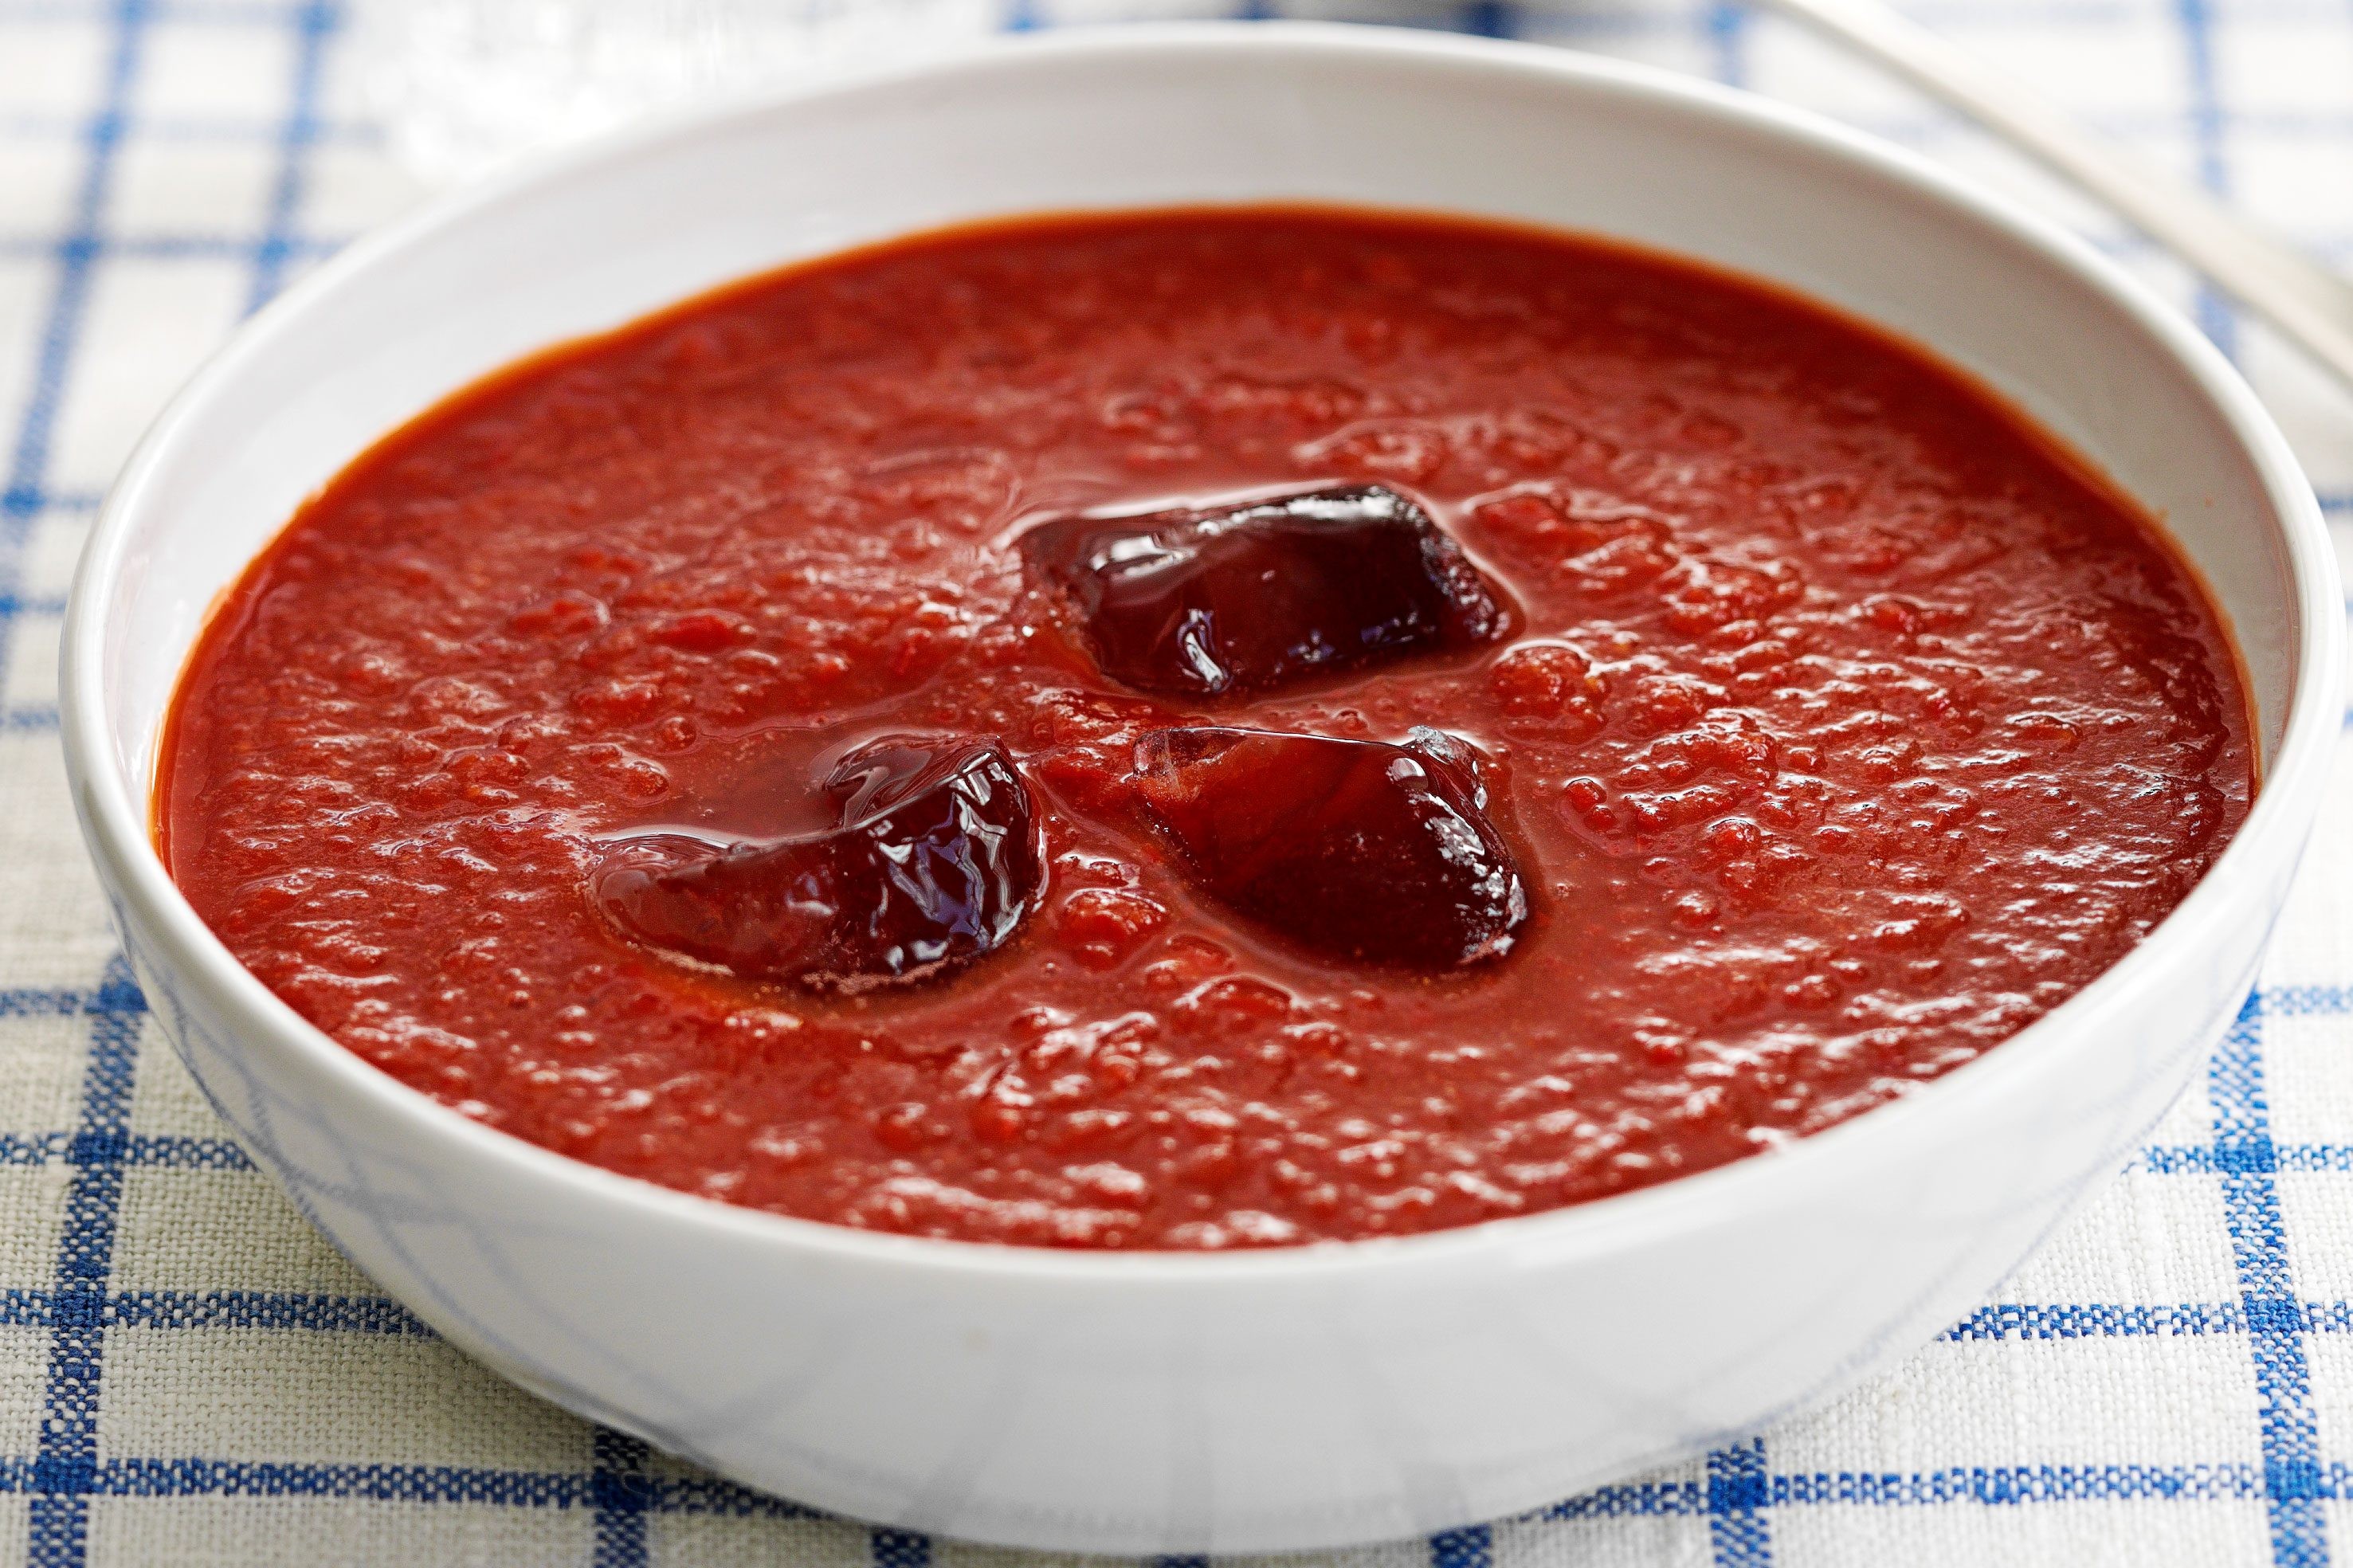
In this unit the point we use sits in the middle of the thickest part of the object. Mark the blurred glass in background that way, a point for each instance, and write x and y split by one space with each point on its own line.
462 85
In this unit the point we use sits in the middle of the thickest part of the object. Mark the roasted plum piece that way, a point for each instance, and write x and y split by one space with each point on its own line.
936 862
1357 850
1252 597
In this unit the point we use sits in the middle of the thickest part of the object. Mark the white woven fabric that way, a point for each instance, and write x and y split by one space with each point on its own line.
188 1374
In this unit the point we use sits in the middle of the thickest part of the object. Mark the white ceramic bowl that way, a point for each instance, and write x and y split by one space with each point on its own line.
1180 1403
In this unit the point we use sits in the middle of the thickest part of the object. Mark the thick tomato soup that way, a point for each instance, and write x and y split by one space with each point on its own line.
1200 730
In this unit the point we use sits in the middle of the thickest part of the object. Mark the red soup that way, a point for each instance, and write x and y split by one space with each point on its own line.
1201 730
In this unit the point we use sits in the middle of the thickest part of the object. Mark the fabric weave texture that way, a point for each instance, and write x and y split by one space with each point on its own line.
188 1374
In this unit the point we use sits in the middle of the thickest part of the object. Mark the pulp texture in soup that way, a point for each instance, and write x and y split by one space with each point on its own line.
1201 729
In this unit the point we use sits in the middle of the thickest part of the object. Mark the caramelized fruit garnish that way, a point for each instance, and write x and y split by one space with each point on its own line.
1202 603
1355 849
936 862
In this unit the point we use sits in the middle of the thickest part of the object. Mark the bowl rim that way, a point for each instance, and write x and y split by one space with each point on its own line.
116 818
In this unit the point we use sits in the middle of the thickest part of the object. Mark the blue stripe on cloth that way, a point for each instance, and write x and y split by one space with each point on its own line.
37 501
1486 18
64 1473
900 1549
169 1152
2299 1001
219 1310
177 1477
1636 1499
2199 1159
1738 1490
2326 1317
314 24
381 1483
1995 1486
2012 1485
264 1309
184 1153
1727 25
211 130
42 1002
2023 1321
1473 1546
2174 1160
621 1493
2293 1480
165 248
2196 25
25 1308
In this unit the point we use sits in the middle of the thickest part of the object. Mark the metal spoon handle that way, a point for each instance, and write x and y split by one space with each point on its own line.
2303 297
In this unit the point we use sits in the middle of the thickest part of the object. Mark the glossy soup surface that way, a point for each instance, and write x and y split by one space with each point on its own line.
1837 727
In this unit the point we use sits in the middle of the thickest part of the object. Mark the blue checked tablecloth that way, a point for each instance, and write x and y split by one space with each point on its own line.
188 1374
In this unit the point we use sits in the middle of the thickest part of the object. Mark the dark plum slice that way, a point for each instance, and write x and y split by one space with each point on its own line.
1250 596
1356 849
936 862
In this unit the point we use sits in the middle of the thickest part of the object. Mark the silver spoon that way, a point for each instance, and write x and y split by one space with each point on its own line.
2312 304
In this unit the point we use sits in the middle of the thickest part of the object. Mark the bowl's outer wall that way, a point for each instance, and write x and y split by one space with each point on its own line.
1192 1404
1223 1413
